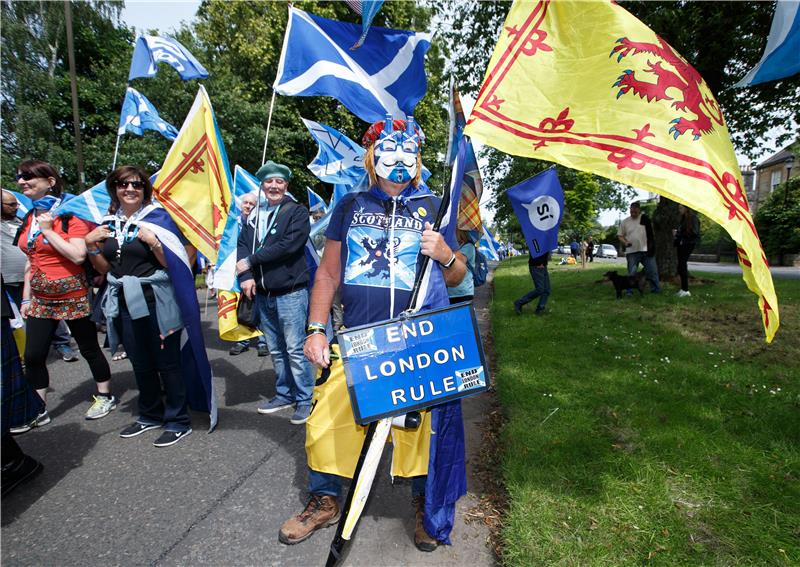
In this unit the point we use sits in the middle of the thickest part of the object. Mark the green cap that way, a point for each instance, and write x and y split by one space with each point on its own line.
271 170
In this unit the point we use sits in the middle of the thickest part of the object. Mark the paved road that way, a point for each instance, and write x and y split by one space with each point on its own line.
776 271
215 499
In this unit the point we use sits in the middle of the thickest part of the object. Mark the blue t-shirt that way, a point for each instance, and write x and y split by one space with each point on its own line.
467 285
380 239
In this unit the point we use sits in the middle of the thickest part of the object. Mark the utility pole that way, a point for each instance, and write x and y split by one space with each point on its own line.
76 120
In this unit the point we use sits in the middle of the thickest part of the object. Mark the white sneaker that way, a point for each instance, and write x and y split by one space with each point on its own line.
683 293
101 407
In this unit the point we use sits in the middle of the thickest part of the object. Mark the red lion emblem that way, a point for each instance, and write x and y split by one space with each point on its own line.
685 79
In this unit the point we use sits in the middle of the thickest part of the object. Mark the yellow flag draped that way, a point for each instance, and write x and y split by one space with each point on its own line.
194 184
229 327
587 85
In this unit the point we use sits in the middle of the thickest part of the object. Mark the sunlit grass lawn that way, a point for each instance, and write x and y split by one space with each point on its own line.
654 430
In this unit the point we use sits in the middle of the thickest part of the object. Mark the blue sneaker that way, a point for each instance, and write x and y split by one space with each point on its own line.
275 404
301 414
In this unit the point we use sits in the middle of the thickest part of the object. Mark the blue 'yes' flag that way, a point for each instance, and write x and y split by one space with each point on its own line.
150 50
386 75
539 205
138 114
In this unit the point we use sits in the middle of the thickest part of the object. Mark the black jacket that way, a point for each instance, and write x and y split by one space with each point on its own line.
278 264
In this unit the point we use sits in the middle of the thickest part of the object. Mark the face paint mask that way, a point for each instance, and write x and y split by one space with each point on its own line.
396 152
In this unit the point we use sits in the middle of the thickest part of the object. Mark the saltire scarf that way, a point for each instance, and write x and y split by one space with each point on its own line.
195 366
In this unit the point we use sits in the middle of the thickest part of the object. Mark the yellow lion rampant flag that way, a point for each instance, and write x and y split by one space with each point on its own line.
587 85
195 182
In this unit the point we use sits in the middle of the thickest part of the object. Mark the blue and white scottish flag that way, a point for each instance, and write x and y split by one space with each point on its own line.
385 76
539 205
339 159
315 202
138 114
25 204
781 57
488 246
150 50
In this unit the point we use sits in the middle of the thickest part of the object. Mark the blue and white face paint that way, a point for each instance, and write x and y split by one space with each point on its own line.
396 152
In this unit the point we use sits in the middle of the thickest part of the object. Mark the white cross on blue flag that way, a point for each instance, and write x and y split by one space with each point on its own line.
150 50
138 114
385 76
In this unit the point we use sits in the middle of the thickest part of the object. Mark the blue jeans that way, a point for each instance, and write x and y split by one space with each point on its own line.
650 268
331 485
541 284
283 322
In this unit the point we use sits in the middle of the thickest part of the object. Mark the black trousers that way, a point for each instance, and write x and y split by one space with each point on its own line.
684 251
156 363
38 336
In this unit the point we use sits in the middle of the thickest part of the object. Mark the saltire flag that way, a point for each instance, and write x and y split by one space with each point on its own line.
195 367
339 159
446 480
488 246
150 50
138 114
469 210
587 85
781 57
91 205
315 202
25 204
225 277
195 181
367 9
538 203
385 76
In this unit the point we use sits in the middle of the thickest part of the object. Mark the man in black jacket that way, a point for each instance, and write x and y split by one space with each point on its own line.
272 268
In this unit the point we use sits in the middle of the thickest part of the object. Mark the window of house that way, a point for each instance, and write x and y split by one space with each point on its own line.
775 180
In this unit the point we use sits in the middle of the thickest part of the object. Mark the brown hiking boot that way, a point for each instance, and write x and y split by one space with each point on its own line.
321 511
422 540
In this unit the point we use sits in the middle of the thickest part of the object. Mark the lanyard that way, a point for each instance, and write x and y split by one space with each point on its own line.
34 230
121 230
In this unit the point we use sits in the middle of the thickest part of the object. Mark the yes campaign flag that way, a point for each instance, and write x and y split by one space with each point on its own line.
138 114
150 50
539 205
386 75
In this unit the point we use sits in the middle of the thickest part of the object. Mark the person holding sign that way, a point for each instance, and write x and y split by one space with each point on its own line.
374 245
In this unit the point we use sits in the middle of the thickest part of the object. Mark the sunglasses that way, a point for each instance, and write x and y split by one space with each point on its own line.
25 176
137 185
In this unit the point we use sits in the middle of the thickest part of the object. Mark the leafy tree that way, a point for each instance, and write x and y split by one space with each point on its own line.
778 220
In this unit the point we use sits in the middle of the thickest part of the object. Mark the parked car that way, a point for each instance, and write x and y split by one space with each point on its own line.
564 249
606 251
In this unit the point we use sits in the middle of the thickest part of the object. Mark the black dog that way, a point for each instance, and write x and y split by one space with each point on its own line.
626 282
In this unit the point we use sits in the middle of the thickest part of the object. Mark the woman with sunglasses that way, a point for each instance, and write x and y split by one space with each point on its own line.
56 287
141 306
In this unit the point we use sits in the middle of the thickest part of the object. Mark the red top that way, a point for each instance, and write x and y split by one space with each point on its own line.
45 258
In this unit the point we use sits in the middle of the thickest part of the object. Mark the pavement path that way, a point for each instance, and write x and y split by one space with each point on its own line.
215 499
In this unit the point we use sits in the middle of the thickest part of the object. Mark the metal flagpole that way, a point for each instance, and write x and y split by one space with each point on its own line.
376 433
269 123
116 151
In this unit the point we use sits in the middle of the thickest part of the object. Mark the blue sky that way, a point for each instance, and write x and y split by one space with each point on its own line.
163 16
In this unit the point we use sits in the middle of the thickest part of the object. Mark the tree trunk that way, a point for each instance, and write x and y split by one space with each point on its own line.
665 218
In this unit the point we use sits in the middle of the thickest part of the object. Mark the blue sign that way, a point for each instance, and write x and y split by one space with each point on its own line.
413 363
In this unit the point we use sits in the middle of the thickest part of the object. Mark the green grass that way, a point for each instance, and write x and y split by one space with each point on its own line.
675 437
